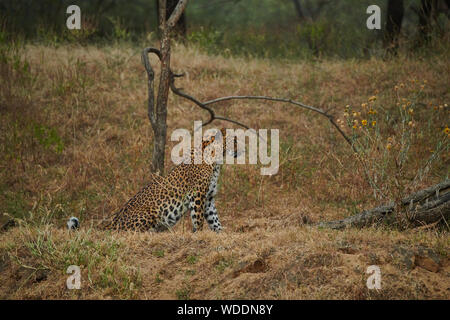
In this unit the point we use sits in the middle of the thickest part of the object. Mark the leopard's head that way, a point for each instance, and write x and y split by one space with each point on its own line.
227 143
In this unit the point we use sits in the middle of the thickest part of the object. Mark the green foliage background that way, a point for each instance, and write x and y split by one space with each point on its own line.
262 28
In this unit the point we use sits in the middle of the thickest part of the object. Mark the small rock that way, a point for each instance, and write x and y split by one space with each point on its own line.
425 258
427 263
406 257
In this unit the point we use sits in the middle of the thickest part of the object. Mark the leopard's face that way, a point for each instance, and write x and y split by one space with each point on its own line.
228 143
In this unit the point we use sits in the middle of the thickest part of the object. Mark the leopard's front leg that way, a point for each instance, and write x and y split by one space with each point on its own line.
211 215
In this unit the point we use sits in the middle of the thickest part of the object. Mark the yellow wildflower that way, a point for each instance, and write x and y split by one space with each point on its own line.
389 146
447 130
364 122
374 123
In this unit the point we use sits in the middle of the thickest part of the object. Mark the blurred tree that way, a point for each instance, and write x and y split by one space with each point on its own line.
425 12
395 12
298 8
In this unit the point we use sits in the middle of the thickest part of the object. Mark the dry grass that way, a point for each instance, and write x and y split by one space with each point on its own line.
76 141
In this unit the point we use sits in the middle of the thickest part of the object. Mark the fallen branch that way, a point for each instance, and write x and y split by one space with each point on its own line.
424 207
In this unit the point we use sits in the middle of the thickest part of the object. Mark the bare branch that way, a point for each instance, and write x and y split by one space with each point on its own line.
299 104
266 98
176 14
232 121
202 105
151 77
178 92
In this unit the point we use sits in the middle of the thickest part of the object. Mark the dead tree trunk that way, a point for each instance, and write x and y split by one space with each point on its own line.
427 206
158 113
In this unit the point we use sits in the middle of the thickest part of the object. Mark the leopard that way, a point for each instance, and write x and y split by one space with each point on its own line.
190 186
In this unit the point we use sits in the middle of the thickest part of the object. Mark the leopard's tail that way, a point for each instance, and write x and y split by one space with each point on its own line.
73 223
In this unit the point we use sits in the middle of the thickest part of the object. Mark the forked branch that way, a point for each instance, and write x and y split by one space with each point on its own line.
176 14
204 105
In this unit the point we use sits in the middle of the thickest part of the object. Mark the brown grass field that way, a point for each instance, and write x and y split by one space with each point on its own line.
76 141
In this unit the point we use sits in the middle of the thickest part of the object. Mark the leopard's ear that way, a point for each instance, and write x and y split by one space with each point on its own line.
219 135
223 131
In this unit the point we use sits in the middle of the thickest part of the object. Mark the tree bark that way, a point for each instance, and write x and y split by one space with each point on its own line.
395 12
158 113
421 208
